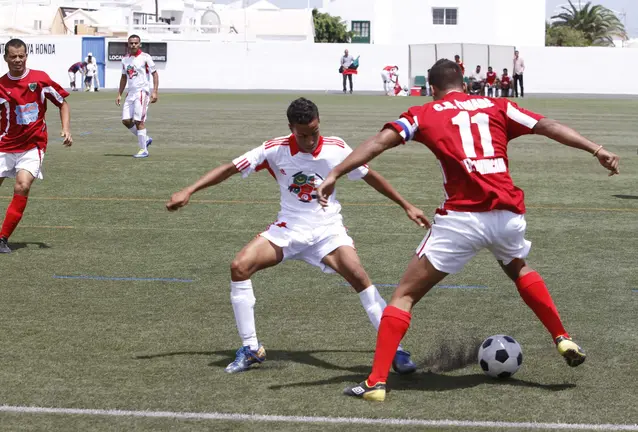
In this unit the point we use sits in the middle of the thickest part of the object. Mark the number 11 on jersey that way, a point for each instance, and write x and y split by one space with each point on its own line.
482 120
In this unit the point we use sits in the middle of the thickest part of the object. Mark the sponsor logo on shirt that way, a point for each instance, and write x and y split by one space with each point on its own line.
131 72
304 186
27 114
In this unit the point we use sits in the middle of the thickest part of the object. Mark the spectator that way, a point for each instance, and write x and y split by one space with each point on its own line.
96 78
73 71
90 70
519 68
388 75
505 84
458 61
346 62
477 81
490 81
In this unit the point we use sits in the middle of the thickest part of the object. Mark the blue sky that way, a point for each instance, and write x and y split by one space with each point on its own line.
629 7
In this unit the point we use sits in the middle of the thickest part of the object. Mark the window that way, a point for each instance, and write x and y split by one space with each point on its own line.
360 31
443 16
76 22
37 25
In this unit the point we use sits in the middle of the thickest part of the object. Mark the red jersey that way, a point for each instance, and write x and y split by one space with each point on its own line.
22 109
462 66
469 137
505 80
491 78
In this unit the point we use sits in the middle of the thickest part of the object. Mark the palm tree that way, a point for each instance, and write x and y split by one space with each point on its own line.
599 24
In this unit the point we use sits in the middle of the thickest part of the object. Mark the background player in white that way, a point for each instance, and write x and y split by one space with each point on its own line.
137 68
303 230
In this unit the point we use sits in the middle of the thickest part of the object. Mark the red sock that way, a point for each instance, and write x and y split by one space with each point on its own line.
394 325
534 293
13 216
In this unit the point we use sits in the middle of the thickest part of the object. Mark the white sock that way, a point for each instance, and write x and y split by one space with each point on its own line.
133 130
141 138
243 300
374 304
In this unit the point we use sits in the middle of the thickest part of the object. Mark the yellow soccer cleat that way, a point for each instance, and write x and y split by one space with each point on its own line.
573 354
375 393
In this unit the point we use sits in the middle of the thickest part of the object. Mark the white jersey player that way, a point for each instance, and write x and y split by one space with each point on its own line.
303 230
137 69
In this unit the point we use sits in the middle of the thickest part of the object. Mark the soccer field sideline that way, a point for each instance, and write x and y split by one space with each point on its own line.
316 420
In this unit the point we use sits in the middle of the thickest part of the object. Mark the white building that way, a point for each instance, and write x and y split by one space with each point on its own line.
494 22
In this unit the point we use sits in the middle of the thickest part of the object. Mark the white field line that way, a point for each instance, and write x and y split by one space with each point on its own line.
316 420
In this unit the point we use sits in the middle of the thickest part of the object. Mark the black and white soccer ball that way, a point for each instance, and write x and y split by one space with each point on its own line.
500 356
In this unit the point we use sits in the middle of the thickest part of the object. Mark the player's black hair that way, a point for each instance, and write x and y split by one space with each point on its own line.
134 36
15 43
446 75
504 69
302 111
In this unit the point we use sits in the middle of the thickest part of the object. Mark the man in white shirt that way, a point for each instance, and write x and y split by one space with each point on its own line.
96 79
304 230
519 68
346 62
90 71
137 68
476 81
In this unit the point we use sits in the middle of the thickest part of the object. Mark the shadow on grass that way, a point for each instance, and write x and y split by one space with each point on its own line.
273 356
430 381
22 245
118 155
634 197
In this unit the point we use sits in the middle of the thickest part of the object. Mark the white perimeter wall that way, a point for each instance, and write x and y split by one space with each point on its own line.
280 66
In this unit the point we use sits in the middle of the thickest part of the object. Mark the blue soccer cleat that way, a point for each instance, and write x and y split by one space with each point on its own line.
402 363
245 357
149 141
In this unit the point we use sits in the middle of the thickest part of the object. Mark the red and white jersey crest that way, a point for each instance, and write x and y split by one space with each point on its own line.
299 174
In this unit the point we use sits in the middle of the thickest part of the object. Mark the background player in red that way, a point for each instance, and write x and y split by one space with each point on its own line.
490 81
23 132
505 83
483 209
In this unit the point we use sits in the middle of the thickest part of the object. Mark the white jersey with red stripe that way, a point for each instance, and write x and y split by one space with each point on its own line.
299 174
138 69
469 136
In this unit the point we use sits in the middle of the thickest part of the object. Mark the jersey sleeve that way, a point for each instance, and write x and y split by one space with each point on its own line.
251 161
359 172
407 125
53 91
150 64
519 120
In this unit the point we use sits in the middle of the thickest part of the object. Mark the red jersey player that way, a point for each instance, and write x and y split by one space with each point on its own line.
483 209
490 81
506 84
23 132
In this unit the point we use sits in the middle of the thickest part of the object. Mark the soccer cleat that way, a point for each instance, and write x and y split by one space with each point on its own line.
149 141
402 363
245 357
4 247
141 154
574 355
375 393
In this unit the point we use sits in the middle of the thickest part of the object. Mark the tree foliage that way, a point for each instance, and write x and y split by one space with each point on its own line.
599 25
329 29
564 36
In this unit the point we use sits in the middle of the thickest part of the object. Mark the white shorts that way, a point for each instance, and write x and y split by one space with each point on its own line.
307 243
385 76
31 160
72 76
136 106
456 237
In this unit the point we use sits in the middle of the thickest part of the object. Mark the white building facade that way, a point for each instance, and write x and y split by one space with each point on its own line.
392 22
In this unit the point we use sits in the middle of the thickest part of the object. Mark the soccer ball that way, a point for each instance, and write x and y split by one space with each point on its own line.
500 356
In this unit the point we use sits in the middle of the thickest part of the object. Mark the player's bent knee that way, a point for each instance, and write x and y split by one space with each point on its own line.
22 188
241 269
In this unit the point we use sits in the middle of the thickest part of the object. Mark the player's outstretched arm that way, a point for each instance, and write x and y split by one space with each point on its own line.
569 137
381 185
213 177
384 140
65 119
